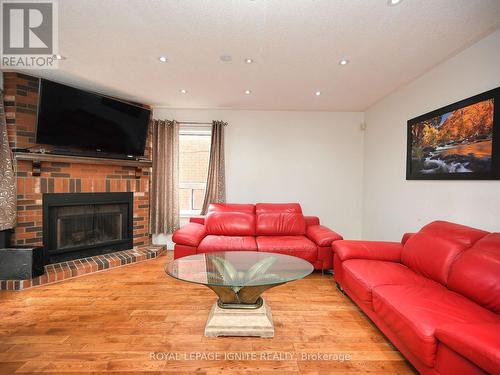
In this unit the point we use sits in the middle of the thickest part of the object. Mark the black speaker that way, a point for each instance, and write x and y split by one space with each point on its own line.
5 238
21 263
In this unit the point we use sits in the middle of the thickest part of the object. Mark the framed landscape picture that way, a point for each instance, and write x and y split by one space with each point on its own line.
458 142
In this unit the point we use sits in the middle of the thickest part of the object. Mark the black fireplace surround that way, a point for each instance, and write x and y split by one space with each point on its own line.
80 225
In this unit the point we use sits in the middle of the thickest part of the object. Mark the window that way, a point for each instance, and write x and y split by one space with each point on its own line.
194 154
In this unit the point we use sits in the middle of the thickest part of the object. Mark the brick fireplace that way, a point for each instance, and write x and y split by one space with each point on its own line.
37 176
57 177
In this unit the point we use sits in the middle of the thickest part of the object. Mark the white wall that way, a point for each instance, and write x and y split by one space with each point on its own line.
314 158
392 205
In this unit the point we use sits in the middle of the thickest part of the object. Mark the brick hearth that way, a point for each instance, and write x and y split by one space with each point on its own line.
74 268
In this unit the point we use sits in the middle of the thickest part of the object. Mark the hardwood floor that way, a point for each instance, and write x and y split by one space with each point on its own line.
115 321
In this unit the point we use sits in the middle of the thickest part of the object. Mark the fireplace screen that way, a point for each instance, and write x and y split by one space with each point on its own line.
86 224
89 224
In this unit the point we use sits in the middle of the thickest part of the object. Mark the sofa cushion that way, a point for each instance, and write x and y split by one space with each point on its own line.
479 343
433 249
227 243
230 219
476 273
298 246
279 219
414 312
360 276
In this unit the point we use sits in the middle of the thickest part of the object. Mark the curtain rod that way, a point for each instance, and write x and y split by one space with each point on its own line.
196 123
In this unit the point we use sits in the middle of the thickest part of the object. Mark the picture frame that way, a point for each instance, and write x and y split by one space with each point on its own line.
460 141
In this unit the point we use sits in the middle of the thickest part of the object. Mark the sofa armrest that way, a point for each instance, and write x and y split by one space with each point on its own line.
372 250
197 219
311 220
190 234
406 237
321 235
478 342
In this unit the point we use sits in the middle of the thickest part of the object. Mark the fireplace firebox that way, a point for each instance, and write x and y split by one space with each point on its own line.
80 225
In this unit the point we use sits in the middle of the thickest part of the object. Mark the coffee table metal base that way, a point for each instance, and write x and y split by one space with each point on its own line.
240 306
257 322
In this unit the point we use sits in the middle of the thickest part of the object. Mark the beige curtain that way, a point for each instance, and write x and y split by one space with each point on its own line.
7 178
165 179
216 181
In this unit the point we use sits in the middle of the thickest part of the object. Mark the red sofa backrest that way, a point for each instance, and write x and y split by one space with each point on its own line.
230 219
476 273
432 250
279 219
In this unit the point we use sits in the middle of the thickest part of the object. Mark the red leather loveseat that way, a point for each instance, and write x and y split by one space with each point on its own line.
270 227
435 295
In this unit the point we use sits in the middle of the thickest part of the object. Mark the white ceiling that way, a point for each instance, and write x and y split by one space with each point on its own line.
112 46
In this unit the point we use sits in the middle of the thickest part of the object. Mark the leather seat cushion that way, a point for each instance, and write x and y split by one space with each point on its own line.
227 243
414 312
360 276
298 246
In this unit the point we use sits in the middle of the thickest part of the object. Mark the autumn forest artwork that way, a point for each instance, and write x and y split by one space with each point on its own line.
458 141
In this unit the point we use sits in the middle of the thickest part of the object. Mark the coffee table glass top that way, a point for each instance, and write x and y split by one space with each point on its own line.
239 268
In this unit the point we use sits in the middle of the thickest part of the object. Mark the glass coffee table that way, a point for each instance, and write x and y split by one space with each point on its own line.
239 278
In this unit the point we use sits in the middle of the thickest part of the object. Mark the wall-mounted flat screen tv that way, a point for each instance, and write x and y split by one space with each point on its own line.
72 117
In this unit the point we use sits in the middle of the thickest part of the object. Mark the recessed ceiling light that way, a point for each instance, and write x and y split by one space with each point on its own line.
182 91
248 92
226 58
344 62
317 93
248 60
393 2
163 59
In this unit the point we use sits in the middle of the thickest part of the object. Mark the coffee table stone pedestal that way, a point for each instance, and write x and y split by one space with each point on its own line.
240 322
239 278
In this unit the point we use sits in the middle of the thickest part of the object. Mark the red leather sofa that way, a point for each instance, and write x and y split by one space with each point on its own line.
270 227
435 295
